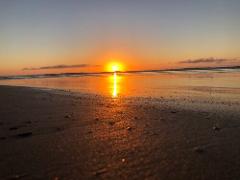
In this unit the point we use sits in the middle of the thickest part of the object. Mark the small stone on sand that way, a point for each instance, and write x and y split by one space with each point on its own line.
13 128
111 123
100 172
28 122
198 149
59 128
24 135
17 176
3 138
97 119
216 128
67 116
129 128
153 134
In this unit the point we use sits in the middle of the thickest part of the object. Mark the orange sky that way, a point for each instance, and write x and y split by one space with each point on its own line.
143 35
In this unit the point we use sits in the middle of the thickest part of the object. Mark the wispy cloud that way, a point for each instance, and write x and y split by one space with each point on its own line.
62 66
207 60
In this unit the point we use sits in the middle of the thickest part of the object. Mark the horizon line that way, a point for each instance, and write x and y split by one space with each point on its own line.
120 72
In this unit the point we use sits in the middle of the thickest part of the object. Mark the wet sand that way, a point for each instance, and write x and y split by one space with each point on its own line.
48 134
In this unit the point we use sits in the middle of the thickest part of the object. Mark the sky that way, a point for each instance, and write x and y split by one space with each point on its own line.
53 36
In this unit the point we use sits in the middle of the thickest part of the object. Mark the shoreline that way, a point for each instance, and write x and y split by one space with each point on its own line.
187 104
46 135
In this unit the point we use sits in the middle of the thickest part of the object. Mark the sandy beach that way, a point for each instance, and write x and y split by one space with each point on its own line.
54 134
119 90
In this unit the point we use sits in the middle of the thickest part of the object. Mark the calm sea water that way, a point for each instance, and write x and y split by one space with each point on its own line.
204 84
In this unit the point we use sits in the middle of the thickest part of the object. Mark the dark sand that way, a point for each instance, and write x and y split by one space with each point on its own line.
58 135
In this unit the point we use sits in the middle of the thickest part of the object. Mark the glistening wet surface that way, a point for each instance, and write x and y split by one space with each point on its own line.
183 85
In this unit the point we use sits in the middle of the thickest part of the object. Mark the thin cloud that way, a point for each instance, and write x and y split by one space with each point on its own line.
205 60
60 67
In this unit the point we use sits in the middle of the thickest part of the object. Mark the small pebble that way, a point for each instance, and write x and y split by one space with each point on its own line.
24 135
100 172
67 116
13 128
111 123
198 149
59 129
129 128
216 128
17 176
153 133
3 138
28 122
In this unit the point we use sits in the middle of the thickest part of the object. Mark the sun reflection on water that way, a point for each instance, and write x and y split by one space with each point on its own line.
115 85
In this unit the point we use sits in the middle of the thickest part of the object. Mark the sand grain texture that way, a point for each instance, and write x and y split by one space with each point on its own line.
49 135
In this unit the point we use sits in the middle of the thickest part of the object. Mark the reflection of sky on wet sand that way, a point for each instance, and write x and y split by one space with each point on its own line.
145 84
115 84
112 132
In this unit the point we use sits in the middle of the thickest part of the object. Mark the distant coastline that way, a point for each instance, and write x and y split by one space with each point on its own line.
128 72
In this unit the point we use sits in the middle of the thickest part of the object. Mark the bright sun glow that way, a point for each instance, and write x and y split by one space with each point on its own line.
114 67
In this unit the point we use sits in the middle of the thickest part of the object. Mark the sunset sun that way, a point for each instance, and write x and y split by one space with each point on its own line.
114 67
